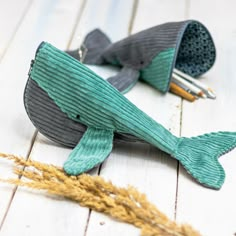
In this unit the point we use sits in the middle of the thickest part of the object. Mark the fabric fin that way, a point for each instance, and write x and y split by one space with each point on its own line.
124 80
93 46
93 149
199 155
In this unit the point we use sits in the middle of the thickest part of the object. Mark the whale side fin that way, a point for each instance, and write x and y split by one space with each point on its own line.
125 79
199 156
94 44
93 149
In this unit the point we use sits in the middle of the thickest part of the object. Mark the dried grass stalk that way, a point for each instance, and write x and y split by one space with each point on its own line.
124 204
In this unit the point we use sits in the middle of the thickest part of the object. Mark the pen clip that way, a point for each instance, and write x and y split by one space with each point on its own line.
82 51
31 65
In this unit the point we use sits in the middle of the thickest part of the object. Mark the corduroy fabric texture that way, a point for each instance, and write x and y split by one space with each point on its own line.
159 69
86 98
95 146
53 123
186 45
124 80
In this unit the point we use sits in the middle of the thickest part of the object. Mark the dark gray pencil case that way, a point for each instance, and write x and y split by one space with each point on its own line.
152 54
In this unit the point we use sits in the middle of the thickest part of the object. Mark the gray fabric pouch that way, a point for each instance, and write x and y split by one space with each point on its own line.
152 54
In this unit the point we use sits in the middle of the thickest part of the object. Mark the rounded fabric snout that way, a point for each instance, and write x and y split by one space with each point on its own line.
197 53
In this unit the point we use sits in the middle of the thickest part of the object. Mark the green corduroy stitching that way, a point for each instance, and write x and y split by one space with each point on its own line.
158 73
94 146
87 98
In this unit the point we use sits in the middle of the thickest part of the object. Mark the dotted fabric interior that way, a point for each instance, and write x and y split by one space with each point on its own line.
197 51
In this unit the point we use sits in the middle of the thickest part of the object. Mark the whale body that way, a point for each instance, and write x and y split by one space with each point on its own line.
151 55
85 112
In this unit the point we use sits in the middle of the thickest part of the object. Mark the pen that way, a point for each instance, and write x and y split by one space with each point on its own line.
208 91
189 85
176 89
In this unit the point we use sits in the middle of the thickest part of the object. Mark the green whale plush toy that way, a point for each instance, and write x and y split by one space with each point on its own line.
73 106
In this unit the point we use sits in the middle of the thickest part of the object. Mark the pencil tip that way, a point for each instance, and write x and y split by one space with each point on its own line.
201 94
211 94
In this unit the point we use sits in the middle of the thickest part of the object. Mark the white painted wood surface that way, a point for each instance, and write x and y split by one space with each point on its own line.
64 23
12 13
213 211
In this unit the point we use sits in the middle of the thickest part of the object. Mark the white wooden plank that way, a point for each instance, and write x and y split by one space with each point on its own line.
33 214
11 14
12 131
153 13
109 16
42 214
213 212
140 165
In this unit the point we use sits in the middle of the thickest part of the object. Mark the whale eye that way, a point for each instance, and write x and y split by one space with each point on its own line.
78 116
141 62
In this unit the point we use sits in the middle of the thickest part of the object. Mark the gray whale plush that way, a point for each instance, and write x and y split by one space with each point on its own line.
152 54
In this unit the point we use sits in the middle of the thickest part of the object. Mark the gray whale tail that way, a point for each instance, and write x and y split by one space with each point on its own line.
94 45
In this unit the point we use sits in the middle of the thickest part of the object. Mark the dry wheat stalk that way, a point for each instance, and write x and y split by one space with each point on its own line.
124 204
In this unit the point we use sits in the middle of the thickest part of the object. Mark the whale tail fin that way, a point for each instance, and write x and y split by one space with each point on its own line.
93 47
199 156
